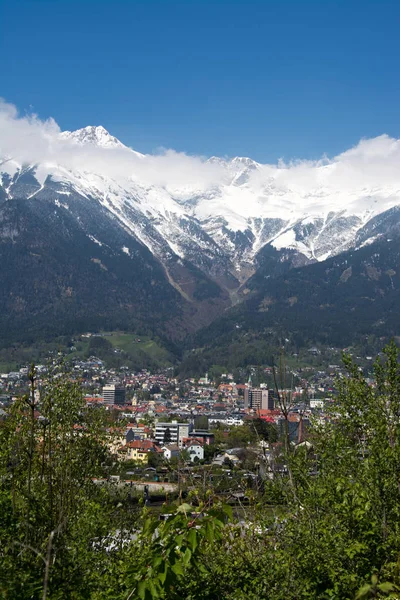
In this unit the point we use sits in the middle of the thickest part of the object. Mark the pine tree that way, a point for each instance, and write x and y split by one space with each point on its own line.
167 436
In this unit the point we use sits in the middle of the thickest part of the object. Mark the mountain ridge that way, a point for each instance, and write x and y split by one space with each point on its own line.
215 216
210 236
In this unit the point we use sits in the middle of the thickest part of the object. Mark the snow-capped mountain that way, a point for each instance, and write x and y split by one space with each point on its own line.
218 225
96 136
92 135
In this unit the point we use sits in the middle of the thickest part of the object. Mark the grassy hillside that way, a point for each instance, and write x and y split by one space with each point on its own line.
115 348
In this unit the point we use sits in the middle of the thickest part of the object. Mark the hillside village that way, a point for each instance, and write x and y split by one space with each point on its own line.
157 420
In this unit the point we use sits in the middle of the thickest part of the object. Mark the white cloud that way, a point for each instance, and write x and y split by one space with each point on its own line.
27 139
372 163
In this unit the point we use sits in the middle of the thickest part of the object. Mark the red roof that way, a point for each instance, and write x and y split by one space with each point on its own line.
193 442
140 444
264 412
144 446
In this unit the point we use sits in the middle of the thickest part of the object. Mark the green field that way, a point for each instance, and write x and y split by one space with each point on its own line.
130 344
132 350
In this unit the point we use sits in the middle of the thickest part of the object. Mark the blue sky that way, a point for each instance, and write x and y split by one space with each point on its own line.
270 79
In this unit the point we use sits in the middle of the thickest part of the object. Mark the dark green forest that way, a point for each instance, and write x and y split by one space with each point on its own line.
351 299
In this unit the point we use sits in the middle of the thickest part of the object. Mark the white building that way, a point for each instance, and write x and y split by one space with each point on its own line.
195 449
225 420
177 432
316 403
171 451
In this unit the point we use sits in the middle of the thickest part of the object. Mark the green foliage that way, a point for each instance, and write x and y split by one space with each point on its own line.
173 550
201 422
240 436
210 450
323 524
347 297
167 436
52 514
341 517
136 352
154 460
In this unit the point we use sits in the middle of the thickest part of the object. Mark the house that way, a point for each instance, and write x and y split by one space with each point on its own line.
314 351
137 432
229 420
195 448
115 439
171 451
139 450
221 458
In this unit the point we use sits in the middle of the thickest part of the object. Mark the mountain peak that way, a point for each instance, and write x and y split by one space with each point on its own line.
95 135
244 160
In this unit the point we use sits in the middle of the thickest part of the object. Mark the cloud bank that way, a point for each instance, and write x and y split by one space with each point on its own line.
372 163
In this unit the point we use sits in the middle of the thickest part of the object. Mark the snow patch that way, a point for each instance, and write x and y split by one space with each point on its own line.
369 241
60 204
285 240
95 240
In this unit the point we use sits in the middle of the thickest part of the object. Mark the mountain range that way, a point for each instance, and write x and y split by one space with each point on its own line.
94 241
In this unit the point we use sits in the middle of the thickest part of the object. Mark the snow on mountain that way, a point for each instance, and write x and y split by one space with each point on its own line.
92 135
219 224
96 136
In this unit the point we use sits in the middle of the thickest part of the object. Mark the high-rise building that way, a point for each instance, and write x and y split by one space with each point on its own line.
114 394
259 399
172 433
